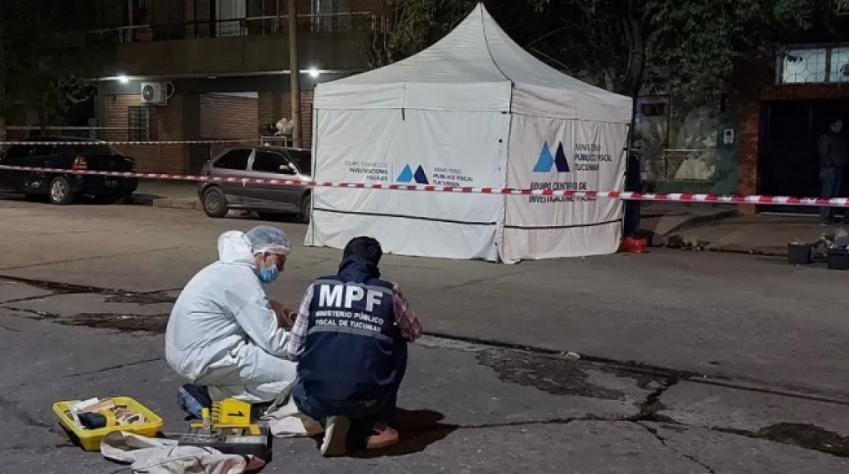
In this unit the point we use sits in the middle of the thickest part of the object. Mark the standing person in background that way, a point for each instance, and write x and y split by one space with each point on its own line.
833 152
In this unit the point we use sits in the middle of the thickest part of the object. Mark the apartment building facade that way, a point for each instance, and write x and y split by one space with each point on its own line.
215 69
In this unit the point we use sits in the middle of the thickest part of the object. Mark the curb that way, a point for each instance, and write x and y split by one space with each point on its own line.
167 203
701 219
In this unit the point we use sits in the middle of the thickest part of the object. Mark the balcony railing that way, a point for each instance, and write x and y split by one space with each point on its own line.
222 28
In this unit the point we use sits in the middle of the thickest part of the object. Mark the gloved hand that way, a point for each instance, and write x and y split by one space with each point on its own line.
285 316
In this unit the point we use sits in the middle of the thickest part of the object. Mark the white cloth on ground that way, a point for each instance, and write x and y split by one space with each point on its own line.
222 332
164 456
285 421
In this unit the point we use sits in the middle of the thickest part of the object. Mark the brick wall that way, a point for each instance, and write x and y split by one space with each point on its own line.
223 117
750 124
167 124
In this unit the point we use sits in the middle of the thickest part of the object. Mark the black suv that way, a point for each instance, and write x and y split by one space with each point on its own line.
62 188
269 162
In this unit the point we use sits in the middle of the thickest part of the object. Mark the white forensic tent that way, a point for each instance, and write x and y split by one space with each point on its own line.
473 110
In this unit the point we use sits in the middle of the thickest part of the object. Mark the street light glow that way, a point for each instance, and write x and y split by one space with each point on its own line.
123 79
314 72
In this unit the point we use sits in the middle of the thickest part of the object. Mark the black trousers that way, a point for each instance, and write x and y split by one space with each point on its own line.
362 413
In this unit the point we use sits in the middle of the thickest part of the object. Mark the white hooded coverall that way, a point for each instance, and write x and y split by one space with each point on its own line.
222 332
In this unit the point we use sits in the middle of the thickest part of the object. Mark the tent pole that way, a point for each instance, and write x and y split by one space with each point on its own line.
631 225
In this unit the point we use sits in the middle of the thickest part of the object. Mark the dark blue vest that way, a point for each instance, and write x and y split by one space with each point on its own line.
350 351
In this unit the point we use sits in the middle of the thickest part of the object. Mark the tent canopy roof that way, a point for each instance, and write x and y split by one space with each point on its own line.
476 58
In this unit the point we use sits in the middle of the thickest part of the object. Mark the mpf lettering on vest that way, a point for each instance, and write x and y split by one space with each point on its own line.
331 296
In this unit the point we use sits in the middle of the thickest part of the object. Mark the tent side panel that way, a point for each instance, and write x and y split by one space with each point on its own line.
370 96
562 154
541 101
459 149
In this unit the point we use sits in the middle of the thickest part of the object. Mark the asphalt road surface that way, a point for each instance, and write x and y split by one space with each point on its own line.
689 362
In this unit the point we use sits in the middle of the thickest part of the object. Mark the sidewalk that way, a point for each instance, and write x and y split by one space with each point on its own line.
766 234
720 228
661 219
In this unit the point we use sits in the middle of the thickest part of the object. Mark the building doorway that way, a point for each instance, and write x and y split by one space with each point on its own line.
788 163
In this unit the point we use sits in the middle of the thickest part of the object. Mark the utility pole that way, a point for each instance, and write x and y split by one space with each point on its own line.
294 72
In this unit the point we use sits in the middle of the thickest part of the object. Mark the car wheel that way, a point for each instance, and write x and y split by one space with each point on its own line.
306 207
214 202
60 191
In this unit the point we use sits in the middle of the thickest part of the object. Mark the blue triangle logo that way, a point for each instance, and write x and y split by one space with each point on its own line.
420 176
560 160
406 175
545 160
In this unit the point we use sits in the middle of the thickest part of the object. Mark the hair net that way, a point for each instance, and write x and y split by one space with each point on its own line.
266 238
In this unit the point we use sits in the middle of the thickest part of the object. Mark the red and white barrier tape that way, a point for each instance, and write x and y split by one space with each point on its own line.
623 195
130 142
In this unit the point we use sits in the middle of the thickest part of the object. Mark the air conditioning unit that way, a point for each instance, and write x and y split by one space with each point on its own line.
154 93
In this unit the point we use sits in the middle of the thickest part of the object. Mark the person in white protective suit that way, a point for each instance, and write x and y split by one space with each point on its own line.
224 335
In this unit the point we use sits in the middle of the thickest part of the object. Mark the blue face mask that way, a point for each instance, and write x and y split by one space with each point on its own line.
268 274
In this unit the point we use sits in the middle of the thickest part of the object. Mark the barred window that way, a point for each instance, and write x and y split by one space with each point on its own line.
806 65
839 65
139 123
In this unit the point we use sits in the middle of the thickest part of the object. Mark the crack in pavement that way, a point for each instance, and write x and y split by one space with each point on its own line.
113 367
662 441
10 329
121 322
66 232
59 288
804 436
652 404
29 298
37 315
96 257
653 370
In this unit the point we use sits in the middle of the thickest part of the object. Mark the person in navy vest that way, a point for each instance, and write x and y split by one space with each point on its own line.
350 342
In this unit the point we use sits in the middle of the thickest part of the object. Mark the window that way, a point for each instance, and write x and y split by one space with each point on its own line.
41 150
90 149
839 65
17 151
229 15
806 65
331 15
234 160
302 159
268 162
138 123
